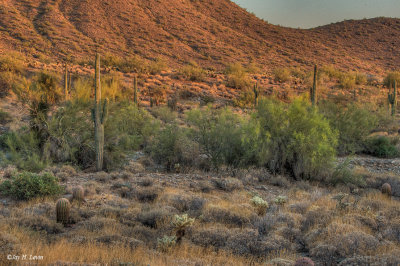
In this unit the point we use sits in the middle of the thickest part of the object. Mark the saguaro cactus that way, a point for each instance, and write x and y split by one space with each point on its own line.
256 94
66 82
62 210
392 98
99 114
313 91
135 91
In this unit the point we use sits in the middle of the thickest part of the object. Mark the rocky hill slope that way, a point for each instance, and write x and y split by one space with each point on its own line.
211 32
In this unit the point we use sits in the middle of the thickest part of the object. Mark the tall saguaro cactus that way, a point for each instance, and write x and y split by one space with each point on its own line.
66 82
392 98
256 94
99 114
313 91
135 91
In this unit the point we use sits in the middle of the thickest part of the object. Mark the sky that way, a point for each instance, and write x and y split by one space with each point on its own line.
312 13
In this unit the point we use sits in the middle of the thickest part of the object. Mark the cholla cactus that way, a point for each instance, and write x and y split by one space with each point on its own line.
166 243
78 194
62 211
280 200
181 222
260 204
340 204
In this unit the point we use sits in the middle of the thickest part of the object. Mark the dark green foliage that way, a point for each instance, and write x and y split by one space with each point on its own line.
128 129
353 122
26 186
21 149
381 146
172 146
219 133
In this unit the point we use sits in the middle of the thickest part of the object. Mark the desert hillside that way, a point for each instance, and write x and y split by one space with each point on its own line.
213 33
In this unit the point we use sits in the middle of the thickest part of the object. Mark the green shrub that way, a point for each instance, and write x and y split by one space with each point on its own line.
391 77
381 146
193 72
133 64
347 81
157 66
71 134
295 139
7 81
26 186
21 149
128 128
281 75
13 62
237 77
353 122
331 72
111 85
4 117
164 113
245 99
343 174
82 89
171 146
219 133
361 78
158 94
234 68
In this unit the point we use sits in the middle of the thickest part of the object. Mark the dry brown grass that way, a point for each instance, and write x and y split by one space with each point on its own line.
227 230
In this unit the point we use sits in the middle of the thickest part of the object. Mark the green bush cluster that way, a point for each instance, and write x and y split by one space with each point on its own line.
238 77
381 146
11 68
293 139
193 72
26 186
21 149
354 122
70 137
